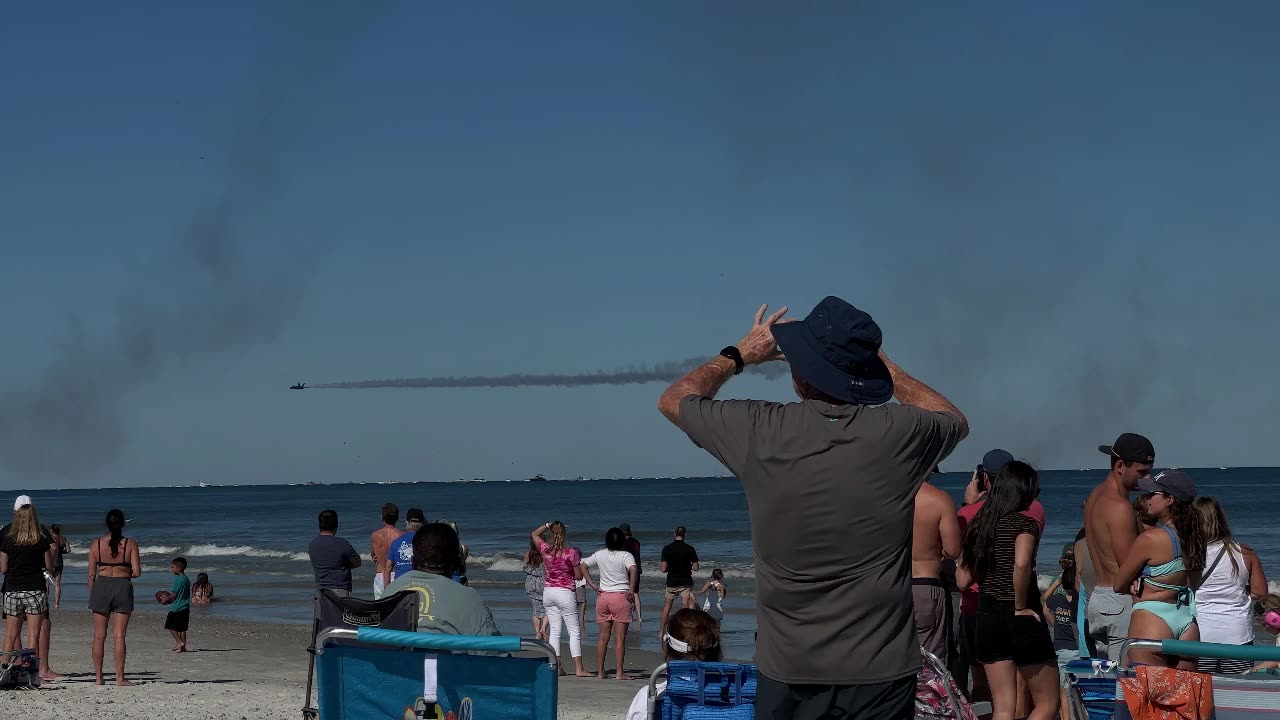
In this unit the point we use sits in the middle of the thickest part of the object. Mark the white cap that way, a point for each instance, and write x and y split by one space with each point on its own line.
22 500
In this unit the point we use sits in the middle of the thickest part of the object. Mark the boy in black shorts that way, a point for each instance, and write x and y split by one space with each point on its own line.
179 616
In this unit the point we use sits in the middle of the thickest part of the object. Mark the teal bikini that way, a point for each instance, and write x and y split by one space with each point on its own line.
1180 613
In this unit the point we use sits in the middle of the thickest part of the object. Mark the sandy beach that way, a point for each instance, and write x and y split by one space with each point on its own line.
236 671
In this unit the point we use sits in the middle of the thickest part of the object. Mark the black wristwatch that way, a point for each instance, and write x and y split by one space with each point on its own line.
733 354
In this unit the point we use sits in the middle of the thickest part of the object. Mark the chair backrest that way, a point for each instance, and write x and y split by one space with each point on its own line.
389 674
19 669
937 695
393 612
709 691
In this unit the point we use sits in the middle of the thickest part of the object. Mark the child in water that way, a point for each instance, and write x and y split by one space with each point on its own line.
715 591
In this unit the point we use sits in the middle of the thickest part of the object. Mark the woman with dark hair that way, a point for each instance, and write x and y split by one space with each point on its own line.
1231 581
113 563
1160 564
562 565
60 548
534 584
618 584
1011 635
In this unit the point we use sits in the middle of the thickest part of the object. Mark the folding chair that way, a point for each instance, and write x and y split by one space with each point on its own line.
704 691
376 674
1235 697
394 612
19 670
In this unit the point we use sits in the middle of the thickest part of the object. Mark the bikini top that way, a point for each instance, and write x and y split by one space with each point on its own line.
1184 594
1173 566
124 545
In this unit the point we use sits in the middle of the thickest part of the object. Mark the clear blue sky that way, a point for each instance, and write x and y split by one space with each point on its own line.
1063 215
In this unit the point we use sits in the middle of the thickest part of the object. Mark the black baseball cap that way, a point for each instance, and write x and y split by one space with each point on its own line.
1131 447
996 459
624 527
1171 482
415 515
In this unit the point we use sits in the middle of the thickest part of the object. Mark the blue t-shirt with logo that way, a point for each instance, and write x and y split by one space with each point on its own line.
400 553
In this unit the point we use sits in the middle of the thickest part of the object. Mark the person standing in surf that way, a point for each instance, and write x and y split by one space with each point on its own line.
831 483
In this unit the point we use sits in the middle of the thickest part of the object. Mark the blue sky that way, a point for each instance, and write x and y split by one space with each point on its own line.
1063 217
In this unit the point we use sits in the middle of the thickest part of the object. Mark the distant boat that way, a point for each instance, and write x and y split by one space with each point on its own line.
1223 467
537 478
204 484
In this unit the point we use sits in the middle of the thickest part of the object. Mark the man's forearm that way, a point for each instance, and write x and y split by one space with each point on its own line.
705 381
911 391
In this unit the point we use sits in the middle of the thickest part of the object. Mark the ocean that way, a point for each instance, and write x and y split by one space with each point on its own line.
252 540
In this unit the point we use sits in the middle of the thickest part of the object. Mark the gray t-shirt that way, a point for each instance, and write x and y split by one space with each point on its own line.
445 606
831 492
331 558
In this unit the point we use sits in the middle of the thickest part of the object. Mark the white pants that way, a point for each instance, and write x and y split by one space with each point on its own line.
562 610
377 586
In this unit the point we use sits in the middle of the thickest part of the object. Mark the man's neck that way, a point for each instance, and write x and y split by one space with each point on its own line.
329 532
1117 487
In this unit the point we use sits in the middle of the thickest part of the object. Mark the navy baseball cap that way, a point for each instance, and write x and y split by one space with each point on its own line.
415 515
1170 482
996 459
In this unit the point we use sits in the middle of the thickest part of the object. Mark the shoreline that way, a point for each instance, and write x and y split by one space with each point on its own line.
238 669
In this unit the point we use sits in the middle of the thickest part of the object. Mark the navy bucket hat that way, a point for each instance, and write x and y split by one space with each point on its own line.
837 350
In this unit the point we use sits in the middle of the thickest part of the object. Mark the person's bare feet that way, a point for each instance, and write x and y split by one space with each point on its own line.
50 676
123 682
182 648
583 673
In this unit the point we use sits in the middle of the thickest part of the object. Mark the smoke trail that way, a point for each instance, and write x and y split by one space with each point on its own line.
661 372
71 419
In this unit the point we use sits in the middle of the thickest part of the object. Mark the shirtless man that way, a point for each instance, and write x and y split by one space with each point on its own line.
1110 529
379 542
935 536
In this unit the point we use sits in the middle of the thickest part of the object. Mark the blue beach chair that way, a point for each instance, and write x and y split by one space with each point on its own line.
1235 697
704 691
377 674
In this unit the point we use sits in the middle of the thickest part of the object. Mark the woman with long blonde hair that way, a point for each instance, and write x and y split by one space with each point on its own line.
1231 581
562 566
26 554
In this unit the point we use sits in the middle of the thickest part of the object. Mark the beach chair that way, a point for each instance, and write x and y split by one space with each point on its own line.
394 612
376 674
703 691
19 670
1235 697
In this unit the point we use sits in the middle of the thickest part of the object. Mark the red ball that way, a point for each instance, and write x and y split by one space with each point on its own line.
164 597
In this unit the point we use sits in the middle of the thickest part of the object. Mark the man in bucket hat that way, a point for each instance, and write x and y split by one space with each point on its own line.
831 483
1109 532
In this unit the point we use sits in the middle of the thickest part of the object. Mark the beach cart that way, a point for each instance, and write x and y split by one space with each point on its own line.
376 674
1235 697
394 612
703 690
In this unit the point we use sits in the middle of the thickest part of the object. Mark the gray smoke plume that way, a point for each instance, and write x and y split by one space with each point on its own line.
661 372
71 418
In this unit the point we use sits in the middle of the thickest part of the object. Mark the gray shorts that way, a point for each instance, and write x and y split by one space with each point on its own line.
932 605
1107 617
111 595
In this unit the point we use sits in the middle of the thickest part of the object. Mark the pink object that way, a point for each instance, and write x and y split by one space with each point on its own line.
966 514
558 569
613 607
1272 619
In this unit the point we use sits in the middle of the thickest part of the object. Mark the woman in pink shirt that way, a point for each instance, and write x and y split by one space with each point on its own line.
562 566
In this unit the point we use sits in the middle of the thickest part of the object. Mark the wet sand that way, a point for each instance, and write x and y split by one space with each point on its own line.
236 671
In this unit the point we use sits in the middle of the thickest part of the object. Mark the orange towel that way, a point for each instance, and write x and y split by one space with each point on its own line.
1161 693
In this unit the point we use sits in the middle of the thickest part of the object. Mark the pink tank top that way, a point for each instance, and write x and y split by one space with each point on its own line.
559 568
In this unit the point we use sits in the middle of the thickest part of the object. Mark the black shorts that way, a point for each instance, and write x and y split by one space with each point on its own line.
178 621
1001 635
893 700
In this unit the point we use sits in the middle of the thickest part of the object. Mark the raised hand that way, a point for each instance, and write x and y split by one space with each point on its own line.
758 345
